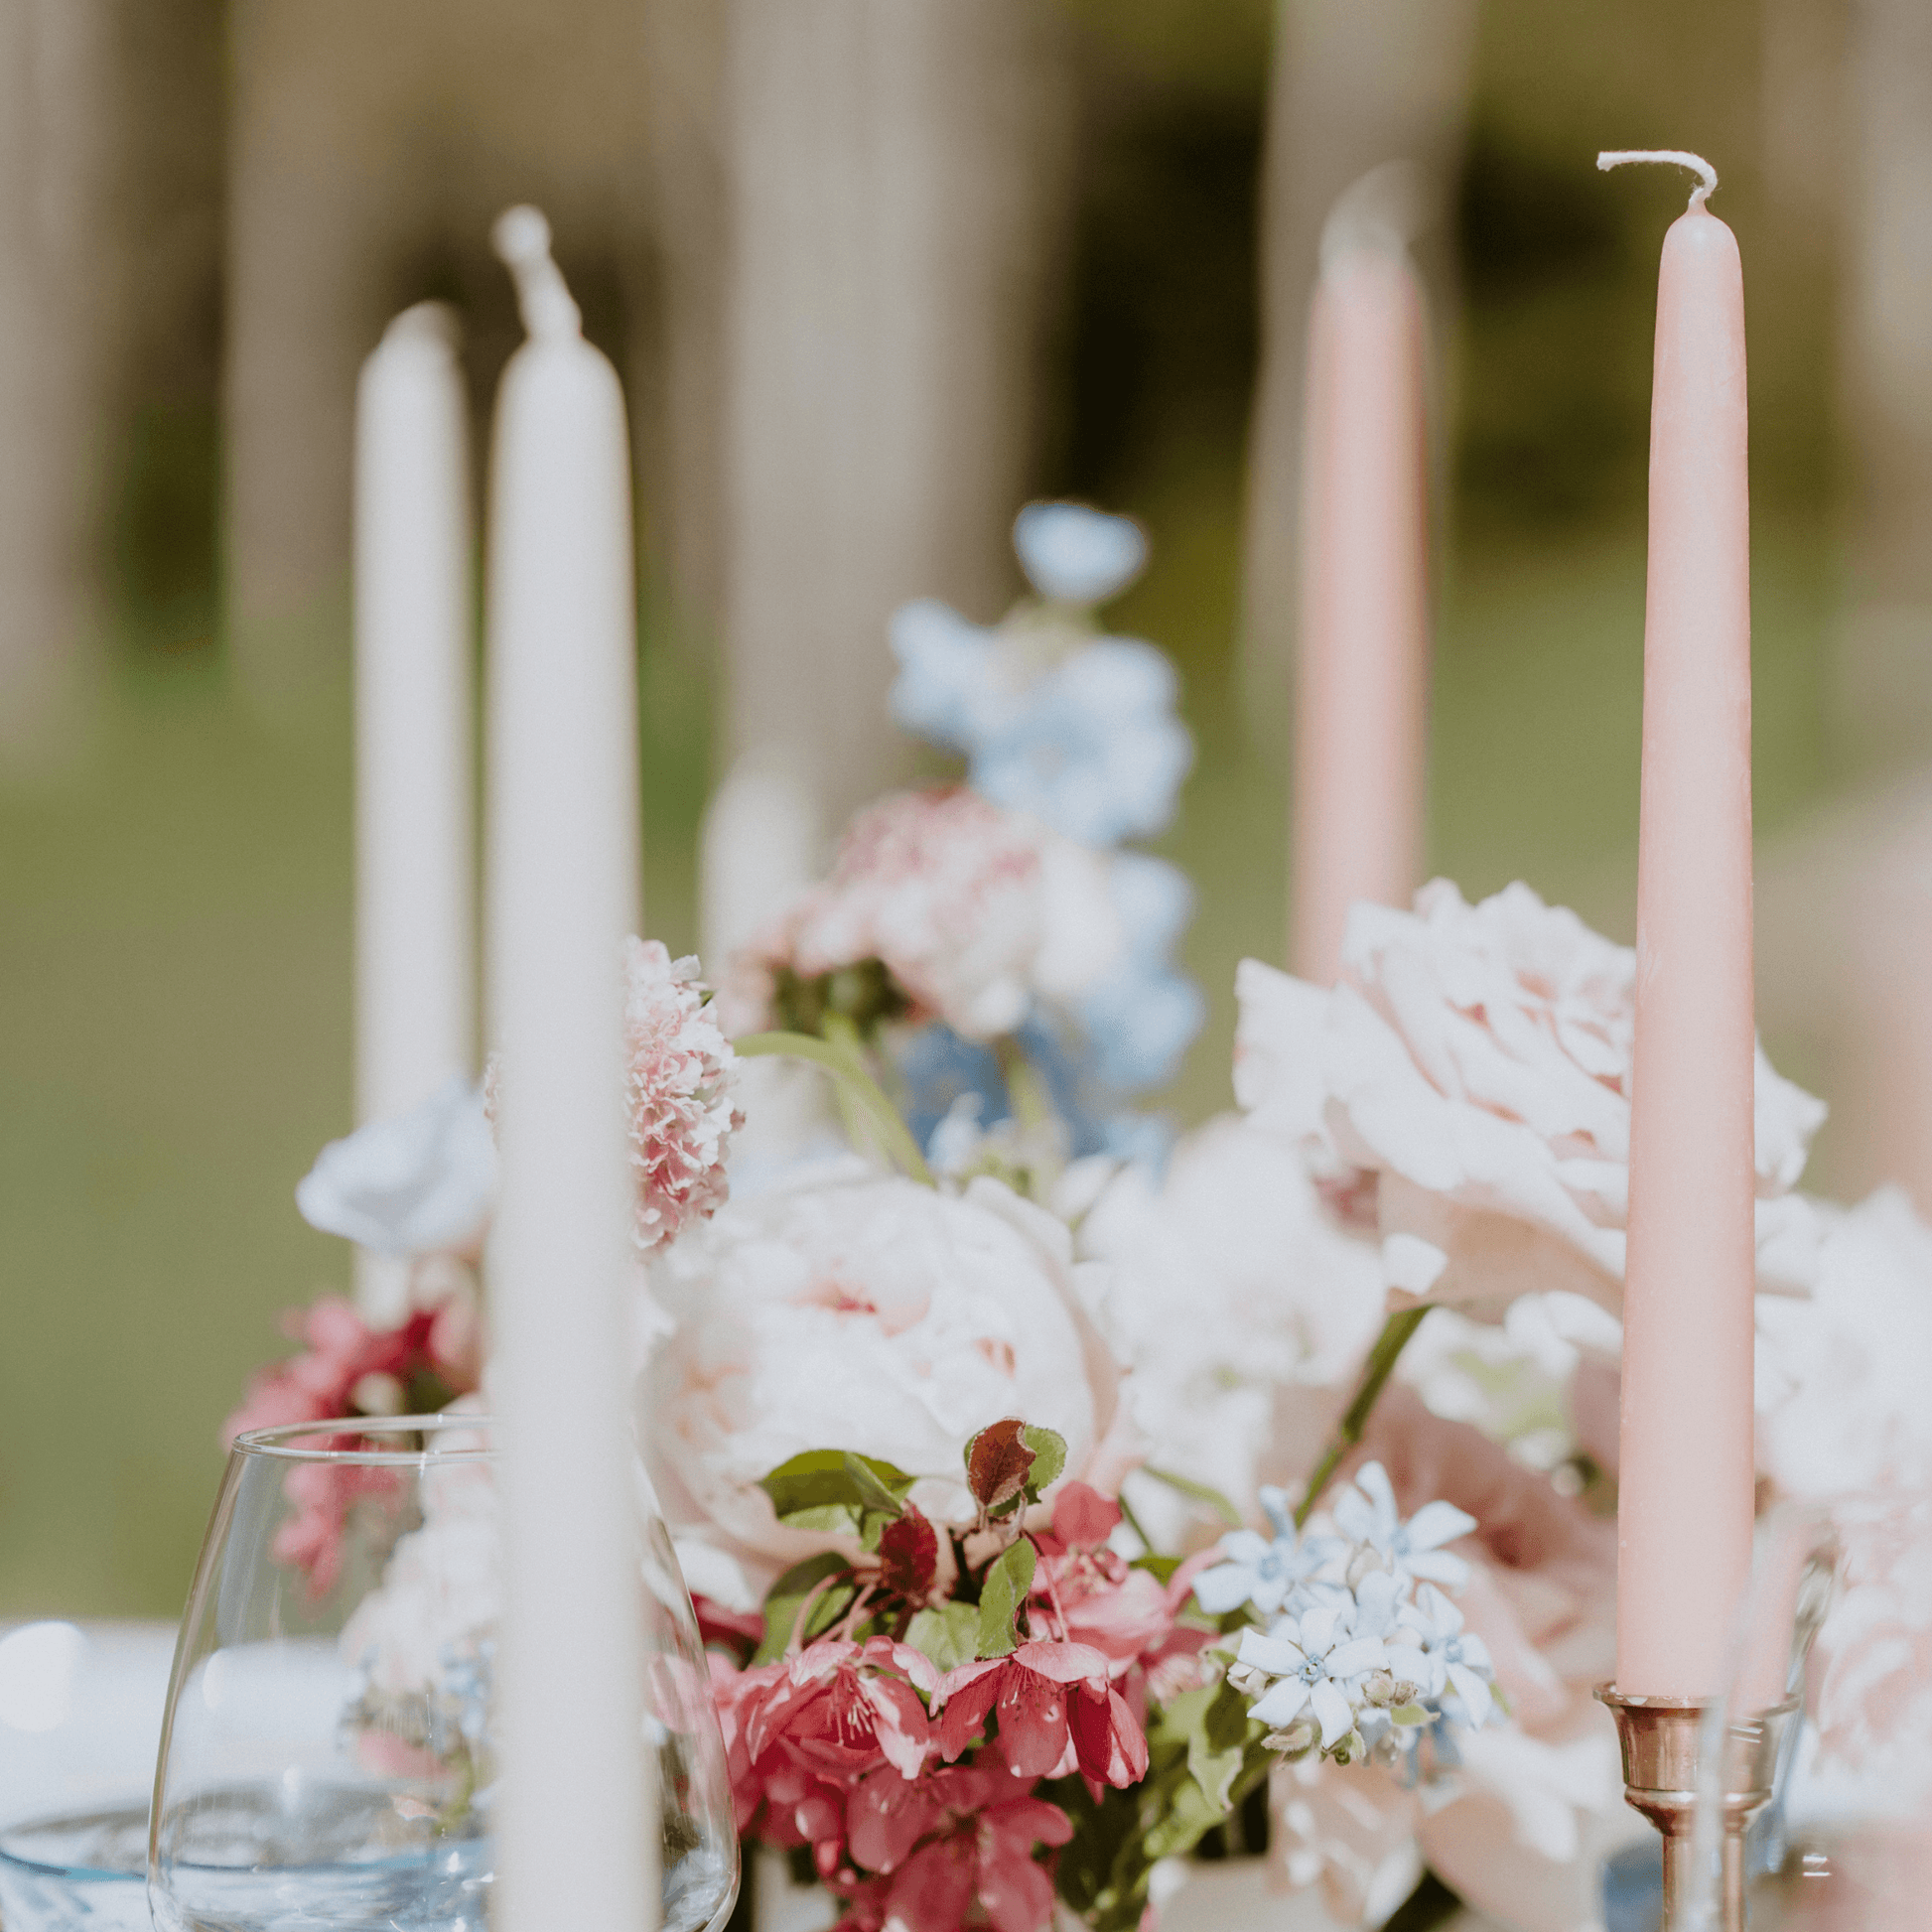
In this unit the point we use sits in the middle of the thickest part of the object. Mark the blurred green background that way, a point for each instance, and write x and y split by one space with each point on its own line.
175 940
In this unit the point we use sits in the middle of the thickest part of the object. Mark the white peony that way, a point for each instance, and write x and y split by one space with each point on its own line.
869 1315
1466 1086
1843 1376
1227 1284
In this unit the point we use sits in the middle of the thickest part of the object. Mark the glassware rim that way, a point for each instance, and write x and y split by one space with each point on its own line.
280 1441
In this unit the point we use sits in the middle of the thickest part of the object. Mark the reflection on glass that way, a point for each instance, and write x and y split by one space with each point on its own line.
329 1756
1840 1618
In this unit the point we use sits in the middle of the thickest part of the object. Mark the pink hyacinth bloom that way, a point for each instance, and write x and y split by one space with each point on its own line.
1057 1713
972 910
678 1077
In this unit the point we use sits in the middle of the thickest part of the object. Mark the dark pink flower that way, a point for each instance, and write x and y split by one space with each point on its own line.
838 1708
1099 1598
1057 1713
953 1838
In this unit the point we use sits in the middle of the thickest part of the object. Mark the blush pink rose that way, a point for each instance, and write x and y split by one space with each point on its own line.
1465 1091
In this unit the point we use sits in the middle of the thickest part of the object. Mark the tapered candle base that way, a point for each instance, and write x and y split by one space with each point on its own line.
1660 1739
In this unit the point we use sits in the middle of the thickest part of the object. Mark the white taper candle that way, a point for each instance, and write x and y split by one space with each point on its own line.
578 1838
415 899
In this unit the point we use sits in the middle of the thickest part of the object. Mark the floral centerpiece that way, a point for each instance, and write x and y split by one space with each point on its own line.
1057 1493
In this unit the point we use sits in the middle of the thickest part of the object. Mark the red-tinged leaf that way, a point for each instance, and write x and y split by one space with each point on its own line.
997 1463
909 1555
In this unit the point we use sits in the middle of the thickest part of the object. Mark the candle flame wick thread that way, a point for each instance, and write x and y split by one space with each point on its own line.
1671 157
521 238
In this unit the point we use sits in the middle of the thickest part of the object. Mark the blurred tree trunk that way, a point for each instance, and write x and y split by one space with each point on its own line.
56 124
1886 370
1355 84
370 147
896 171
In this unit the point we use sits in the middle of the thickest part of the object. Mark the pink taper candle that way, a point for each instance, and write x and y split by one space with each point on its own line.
1685 1482
1364 624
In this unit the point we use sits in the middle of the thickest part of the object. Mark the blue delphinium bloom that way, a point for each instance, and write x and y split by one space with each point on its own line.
939 1067
1075 554
1142 1017
945 689
1093 748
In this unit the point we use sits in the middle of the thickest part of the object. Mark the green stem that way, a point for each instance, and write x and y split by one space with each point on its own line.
1026 1091
855 1082
1390 1343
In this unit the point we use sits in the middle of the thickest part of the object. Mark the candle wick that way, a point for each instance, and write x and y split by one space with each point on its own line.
1673 157
521 237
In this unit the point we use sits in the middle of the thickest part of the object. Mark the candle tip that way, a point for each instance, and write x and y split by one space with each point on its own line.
1383 211
434 323
521 237
1672 157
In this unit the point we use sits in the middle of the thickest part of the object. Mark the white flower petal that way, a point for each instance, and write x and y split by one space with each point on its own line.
1438 1523
1282 1703
1333 1708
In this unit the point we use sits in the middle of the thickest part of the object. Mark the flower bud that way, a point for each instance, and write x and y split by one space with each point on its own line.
1297 1741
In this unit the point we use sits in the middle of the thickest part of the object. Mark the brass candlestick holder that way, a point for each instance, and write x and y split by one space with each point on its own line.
1661 1739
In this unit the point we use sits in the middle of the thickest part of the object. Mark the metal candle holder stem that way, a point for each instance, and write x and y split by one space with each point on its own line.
1660 1739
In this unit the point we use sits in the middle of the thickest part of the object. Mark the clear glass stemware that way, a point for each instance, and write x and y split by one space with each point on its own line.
329 1755
1839 1619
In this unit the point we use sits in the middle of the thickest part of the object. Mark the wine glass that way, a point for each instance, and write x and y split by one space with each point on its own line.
329 1755
1838 1622
79 1717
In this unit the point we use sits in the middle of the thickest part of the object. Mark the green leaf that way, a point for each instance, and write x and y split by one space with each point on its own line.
945 1636
1201 1492
834 1479
1218 1744
1162 1569
1008 1579
1049 1458
786 1598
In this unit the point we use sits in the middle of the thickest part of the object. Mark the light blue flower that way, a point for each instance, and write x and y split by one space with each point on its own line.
1366 1513
1318 1664
1444 1657
945 687
1092 748
1263 1571
408 1185
1141 1016
1075 554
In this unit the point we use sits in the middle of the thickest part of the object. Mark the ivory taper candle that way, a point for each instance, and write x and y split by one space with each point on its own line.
1363 652
577 1827
1685 1480
415 904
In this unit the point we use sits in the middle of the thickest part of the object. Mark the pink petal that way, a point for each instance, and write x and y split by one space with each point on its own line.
1083 1518
885 1816
1109 1742
899 1724
1065 1663
933 1890
1034 1719
967 1704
